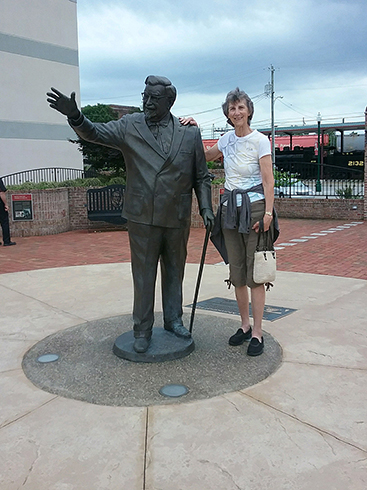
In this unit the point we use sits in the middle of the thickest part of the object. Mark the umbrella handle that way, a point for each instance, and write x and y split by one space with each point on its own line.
200 273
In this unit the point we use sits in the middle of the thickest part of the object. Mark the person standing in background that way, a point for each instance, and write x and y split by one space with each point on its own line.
4 216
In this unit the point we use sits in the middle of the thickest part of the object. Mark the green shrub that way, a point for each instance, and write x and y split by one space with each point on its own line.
27 186
347 193
214 165
219 181
46 185
284 179
91 182
117 180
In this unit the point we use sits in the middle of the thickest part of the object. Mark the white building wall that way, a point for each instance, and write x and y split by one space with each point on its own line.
38 50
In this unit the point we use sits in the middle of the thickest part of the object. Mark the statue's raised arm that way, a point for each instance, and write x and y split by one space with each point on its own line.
64 104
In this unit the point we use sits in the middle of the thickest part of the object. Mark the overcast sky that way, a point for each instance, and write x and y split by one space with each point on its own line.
208 47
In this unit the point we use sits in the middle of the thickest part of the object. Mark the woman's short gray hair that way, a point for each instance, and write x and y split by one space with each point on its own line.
237 95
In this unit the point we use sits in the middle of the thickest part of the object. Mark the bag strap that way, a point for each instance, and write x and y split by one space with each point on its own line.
267 237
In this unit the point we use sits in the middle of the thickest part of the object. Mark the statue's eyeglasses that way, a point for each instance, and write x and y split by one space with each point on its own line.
146 97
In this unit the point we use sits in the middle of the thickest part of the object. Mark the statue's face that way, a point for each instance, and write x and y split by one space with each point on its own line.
155 102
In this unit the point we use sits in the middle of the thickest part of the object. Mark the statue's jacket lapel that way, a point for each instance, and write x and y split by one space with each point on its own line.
144 131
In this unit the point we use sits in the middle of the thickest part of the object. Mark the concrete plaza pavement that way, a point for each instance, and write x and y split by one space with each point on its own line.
302 428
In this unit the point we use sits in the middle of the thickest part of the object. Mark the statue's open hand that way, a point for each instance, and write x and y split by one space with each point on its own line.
64 104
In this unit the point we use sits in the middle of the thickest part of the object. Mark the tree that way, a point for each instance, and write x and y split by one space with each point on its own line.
101 158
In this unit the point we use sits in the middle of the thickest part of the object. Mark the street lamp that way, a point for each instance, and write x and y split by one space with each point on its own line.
318 183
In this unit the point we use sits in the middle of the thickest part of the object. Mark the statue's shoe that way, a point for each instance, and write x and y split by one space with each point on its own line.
141 345
179 330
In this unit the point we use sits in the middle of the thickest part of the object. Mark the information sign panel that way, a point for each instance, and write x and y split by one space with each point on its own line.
22 207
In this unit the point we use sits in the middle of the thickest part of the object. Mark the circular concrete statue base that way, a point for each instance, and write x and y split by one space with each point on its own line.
86 368
164 346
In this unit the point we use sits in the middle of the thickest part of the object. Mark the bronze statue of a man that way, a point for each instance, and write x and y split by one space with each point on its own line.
164 162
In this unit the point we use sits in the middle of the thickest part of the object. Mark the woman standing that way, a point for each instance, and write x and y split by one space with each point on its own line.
248 198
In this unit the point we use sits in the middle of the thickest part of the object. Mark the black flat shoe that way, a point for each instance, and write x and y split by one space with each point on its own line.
255 347
240 337
9 244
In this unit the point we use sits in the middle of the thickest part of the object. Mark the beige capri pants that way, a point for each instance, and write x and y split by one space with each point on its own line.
241 248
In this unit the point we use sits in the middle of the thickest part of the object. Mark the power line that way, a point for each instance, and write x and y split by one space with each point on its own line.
219 81
205 112
290 106
111 97
323 87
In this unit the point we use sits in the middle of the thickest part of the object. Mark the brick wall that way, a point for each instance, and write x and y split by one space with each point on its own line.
78 208
348 209
50 213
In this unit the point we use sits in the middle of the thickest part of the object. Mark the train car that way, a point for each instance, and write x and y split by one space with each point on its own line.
333 164
299 141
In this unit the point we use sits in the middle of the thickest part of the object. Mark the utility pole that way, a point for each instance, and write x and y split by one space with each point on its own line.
272 113
269 91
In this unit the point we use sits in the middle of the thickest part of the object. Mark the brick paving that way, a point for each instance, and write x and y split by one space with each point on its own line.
343 253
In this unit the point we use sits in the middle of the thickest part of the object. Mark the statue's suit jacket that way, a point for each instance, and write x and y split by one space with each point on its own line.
158 186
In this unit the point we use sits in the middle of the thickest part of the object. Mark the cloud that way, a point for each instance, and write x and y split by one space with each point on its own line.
127 34
209 47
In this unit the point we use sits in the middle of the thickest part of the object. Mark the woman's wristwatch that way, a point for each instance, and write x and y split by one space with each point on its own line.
269 213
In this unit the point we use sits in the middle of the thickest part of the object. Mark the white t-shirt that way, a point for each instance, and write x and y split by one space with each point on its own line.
241 161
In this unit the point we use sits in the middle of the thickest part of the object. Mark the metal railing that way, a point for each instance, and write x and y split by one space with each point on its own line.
50 174
325 188
300 179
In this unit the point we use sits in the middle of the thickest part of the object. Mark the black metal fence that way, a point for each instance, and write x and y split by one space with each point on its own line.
50 174
303 179
324 188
